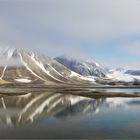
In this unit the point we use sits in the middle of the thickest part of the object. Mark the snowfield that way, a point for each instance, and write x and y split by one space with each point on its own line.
122 76
74 74
23 80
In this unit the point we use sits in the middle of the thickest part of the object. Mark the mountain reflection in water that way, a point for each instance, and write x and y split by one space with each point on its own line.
32 107
49 115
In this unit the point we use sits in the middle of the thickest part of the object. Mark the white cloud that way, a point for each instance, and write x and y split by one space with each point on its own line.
93 21
89 20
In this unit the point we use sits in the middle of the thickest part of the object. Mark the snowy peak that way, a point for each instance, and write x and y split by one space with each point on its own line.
90 61
10 53
85 68
13 55
23 66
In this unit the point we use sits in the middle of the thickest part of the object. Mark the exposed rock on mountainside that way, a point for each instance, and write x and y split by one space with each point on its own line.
85 68
22 66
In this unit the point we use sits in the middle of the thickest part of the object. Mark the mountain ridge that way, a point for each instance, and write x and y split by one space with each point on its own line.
28 67
23 66
82 67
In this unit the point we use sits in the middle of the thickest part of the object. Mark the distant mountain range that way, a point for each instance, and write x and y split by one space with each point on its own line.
20 66
101 75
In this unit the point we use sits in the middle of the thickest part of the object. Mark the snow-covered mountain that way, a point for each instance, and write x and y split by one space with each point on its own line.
119 77
85 68
20 66
123 75
23 66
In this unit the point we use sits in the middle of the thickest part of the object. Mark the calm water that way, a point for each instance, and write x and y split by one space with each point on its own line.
125 90
48 115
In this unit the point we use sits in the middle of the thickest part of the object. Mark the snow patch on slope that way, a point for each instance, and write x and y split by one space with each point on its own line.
55 70
88 79
74 74
3 73
23 80
40 64
25 64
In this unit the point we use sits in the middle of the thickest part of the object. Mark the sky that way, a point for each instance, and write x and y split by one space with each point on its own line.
107 31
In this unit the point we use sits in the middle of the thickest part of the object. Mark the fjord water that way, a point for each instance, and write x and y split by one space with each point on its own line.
124 90
49 115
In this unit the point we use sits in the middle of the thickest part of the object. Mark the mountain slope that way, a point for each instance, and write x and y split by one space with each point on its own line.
122 75
85 68
22 66
19 66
